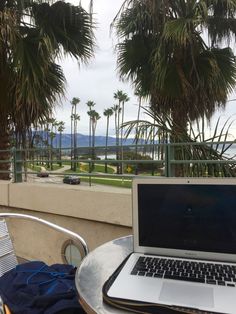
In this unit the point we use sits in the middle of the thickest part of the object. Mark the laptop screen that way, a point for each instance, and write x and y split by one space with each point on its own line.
187 217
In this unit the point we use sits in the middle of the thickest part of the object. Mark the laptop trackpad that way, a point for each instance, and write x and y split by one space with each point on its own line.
183 294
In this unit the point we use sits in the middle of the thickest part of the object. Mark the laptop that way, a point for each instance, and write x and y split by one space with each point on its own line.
184 244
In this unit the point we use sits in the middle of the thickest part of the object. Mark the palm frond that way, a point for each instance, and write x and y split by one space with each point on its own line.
66 25
161 50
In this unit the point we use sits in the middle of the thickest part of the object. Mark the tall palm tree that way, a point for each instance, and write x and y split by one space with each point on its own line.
52 134
55 126
61 128
71 137
75 101
139 94
75 119
162 51
90 105
124 99
118 96
46 123
116 109
33 35
107 113
94 115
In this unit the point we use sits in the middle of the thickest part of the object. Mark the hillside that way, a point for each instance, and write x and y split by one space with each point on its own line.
83 140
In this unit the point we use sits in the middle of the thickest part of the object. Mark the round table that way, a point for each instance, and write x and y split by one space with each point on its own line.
95 269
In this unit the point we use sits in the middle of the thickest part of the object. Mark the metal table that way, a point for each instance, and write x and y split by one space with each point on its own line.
95 269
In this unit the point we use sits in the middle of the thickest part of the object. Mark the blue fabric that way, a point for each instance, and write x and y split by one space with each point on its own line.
36 288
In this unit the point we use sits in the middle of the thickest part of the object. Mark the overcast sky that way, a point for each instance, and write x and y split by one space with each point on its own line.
99 80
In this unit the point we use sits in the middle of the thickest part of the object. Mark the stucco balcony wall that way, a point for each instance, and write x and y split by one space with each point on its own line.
97 213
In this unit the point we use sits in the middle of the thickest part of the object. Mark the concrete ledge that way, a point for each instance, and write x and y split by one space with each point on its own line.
99 214
111 206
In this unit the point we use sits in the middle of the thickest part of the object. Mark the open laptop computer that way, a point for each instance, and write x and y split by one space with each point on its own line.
184 244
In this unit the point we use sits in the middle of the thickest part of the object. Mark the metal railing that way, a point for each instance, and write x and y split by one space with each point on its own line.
165 159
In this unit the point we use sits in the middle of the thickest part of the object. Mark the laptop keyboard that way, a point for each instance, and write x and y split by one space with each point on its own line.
202 272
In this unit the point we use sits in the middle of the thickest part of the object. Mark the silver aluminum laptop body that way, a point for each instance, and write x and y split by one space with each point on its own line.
187 219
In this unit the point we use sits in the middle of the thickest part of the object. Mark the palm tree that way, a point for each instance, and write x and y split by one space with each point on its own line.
116 109
118 96
55 126
61 128
107 113
75 101
139 94
46 123
76 119
90 105
94 116
71 138
162 51
32 36
207 148
122 98
52 134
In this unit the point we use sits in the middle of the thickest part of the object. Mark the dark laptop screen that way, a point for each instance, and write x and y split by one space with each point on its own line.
189 217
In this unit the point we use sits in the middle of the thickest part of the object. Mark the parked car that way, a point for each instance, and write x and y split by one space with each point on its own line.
42 173
72 179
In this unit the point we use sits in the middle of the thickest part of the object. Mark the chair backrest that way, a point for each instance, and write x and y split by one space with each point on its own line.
8 258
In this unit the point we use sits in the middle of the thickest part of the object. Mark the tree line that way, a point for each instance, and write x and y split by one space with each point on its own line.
50 127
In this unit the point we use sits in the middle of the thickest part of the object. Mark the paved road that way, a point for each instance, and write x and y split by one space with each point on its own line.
51 179
58 178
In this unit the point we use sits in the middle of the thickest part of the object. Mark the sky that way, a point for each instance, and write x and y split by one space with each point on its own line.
99 80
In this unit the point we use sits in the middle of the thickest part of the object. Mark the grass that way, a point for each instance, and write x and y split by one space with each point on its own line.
84 167
38 167
97 168
111 182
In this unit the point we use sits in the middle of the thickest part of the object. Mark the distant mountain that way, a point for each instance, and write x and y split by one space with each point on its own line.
83 140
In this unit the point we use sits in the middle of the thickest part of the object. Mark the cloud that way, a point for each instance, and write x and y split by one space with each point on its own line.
99 79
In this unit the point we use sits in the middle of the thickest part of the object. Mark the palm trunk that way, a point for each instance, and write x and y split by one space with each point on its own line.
60 140
177 135
137 137
106 144
121 140
75 144
48 146
93 143
117 142
51 153
90 134
153 148
71 142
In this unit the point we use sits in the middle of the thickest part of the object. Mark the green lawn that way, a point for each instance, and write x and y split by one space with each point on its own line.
111 182
37 168
97 168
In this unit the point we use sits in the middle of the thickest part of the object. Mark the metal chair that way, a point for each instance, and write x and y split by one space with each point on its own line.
8 258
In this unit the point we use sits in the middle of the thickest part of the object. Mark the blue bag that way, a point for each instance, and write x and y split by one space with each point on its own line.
36 288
